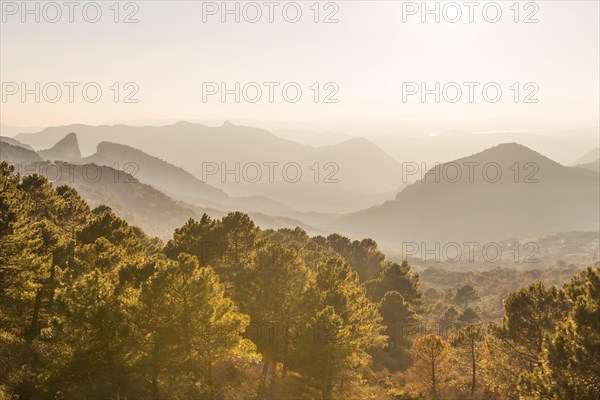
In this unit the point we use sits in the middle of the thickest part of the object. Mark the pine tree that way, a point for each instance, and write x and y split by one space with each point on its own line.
430 354
469 316
398 278
467 351
194 330
465 294
398 317
570 360
275 293
346 326
514 346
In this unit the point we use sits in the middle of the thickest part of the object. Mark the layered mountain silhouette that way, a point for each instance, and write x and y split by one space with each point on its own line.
500 193
339 178
174 181
543 197
137 201
177 182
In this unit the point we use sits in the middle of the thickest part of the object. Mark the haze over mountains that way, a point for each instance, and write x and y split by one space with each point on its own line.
338 178
533 196
99 181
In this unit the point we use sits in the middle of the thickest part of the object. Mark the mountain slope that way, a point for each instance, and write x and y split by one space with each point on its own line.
546 198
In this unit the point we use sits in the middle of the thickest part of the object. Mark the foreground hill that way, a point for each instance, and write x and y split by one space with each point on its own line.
546 198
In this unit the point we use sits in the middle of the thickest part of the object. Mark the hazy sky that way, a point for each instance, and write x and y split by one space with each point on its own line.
368 54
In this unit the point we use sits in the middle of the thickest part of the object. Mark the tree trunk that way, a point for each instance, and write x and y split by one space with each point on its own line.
473 369
433 383
155 372
36 313
327 389
37 305
262 386
273 381
211 382
284 368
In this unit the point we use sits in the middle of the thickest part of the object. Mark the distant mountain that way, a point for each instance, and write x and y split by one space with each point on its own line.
546 198
592 156
5 139
67 149
173 180
248 161
17 155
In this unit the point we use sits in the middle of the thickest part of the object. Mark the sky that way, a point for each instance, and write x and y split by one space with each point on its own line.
371 65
